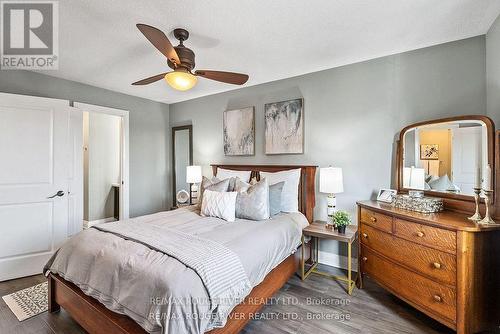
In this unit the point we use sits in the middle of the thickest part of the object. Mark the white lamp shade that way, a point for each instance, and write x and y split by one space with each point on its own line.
414 178
331 180
193 174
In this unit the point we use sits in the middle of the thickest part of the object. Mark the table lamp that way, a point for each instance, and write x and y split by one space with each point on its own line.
193 177
331 183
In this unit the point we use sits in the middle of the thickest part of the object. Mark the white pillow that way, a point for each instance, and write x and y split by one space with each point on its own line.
219 204
290 194
243 175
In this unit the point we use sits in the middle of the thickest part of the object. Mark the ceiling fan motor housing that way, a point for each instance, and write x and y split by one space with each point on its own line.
186 56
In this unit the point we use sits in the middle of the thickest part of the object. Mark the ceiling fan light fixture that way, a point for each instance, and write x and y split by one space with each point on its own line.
181 80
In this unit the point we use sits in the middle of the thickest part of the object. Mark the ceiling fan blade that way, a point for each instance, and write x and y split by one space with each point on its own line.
227 77
160 41
149 80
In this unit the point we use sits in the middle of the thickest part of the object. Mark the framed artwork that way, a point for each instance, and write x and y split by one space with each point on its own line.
284 127
239 132
386 195
429 152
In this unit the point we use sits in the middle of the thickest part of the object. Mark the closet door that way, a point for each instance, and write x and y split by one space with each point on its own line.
34 174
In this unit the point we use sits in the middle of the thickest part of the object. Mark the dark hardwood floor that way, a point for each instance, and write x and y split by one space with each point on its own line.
318 305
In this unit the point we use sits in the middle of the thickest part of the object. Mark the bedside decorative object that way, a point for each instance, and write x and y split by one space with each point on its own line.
341 220
182 197
317 231
331 183
284 127
193 177
386 195
487 203
239 132
477 216
422 205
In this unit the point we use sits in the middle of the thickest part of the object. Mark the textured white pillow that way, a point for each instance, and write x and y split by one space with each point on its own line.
290 194
243 175
219 204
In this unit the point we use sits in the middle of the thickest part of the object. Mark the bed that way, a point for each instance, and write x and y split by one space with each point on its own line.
89 308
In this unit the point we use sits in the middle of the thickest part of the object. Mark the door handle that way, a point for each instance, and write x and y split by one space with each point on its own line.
60 193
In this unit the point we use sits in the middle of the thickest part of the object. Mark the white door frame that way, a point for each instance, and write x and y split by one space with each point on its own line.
124 114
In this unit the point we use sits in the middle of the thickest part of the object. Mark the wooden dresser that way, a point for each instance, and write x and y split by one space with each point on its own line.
442 264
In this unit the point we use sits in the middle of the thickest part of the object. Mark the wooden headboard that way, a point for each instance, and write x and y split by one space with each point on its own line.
307 194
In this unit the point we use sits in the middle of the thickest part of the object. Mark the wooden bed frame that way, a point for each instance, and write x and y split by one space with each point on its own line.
96 318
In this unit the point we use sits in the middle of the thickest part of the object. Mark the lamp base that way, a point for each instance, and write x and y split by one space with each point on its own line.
331 203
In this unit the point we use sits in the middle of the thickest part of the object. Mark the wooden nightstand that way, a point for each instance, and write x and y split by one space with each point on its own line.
317 231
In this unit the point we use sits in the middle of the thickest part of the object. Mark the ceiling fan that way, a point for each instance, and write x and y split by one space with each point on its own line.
181 60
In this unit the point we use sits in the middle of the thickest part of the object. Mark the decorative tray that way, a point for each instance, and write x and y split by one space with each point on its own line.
418 204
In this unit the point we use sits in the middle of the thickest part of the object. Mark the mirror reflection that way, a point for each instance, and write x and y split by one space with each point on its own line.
445 157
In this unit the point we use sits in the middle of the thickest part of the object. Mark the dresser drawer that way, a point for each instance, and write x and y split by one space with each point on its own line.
377 220
434 237
431 296
427 261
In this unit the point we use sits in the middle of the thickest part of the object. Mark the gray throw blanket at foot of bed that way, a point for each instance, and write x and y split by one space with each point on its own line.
219 268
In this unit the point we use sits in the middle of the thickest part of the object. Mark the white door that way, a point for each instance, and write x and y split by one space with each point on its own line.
466 157
33 167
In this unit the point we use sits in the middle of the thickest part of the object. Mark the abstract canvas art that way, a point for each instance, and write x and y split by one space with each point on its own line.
429 152
239 131
284 127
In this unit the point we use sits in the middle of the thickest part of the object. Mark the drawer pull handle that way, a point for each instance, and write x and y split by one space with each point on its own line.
436 265
365 259
438 298
420 234
365 235
373 219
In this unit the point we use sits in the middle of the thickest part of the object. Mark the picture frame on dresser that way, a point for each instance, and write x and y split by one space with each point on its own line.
442 264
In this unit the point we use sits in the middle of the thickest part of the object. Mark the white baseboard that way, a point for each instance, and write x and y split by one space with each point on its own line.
337 261
87 224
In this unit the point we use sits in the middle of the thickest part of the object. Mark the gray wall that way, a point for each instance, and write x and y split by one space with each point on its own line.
149 128
493 70
352 113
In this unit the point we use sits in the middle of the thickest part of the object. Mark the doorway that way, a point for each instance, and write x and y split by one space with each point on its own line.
101 168
105 164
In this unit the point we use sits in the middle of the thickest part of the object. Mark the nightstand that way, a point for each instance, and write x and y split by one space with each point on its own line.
318 231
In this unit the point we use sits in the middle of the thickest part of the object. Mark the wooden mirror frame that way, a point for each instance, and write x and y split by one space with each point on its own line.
457 202
174 130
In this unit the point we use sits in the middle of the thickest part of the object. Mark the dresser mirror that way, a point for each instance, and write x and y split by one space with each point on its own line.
447 157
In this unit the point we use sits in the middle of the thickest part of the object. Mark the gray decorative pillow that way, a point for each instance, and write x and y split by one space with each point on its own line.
252 201
213 184
275 191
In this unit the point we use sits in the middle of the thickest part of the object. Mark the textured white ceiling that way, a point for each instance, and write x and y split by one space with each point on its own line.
269 40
